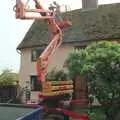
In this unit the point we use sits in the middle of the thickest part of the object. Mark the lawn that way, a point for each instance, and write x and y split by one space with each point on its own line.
94 114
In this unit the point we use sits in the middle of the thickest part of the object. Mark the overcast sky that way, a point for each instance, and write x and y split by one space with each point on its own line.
12 31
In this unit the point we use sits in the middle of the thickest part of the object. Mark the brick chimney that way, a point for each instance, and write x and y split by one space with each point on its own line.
89 4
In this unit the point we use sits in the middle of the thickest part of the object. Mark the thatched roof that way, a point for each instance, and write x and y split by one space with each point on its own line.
101 23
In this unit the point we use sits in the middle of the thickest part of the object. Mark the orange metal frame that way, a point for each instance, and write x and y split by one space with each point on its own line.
56 28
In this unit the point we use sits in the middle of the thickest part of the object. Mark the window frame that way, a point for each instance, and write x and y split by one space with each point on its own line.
34 82
38 51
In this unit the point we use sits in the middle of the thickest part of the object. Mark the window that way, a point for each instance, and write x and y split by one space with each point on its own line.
35 85
35 53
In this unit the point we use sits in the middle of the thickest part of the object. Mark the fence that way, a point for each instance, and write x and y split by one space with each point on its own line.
7 92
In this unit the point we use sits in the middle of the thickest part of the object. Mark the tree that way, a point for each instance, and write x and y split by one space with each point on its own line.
74 62
99 63
7 77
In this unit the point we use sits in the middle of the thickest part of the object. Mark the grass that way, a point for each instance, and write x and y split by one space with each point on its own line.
94 113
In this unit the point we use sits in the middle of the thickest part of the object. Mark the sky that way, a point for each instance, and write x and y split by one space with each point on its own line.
12 30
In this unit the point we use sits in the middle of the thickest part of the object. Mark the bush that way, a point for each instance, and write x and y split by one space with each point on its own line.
99 63
55 75
8 78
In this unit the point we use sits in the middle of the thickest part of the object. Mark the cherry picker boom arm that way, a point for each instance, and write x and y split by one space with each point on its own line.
22 10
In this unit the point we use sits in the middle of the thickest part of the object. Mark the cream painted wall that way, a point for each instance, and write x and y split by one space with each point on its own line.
28 68
59 57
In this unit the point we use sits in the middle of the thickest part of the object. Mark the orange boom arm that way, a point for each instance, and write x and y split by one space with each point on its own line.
56 28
